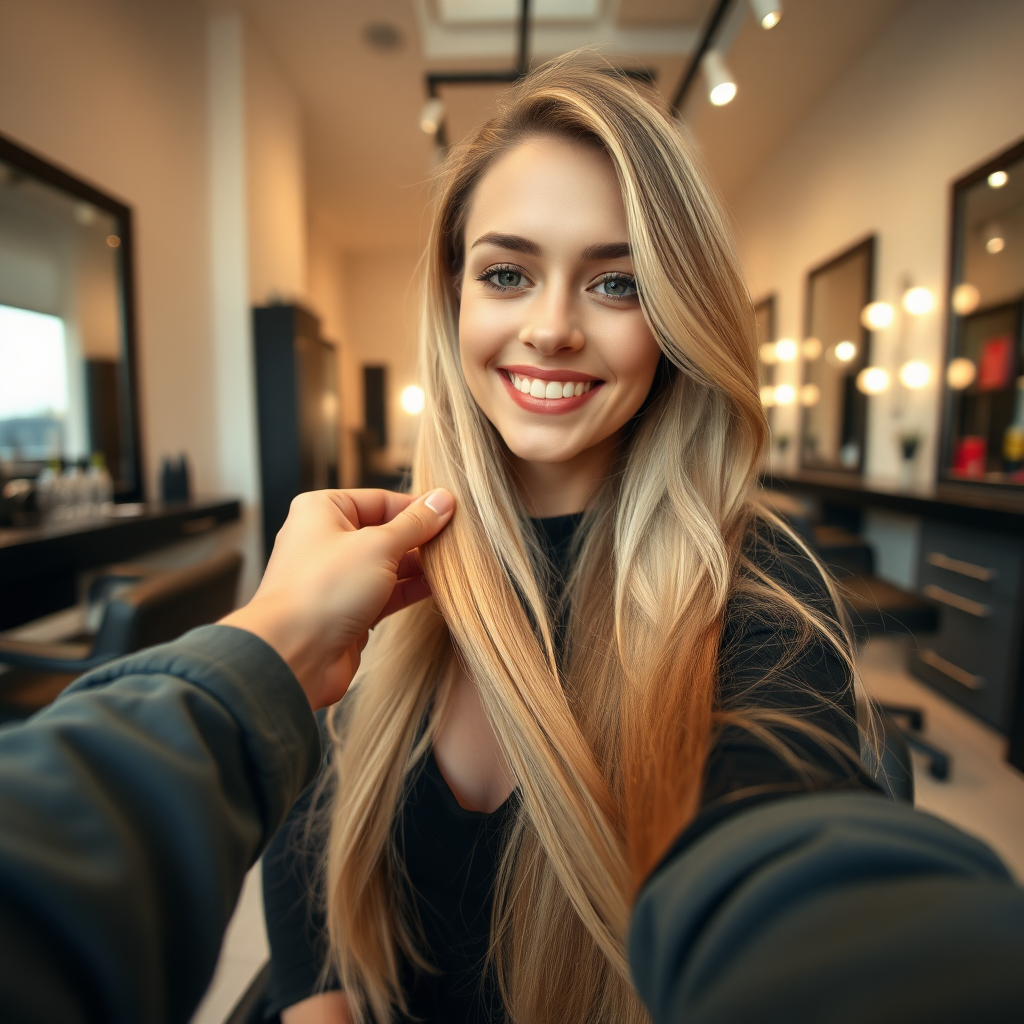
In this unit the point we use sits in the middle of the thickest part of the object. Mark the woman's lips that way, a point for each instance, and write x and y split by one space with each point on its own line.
514 381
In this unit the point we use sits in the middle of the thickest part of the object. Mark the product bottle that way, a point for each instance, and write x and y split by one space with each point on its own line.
1013 439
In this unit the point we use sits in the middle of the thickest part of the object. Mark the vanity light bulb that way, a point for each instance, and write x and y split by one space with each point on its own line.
767 354
915 374
767 396
810 394
721 86
785 394
845 351
966 299
918 301
786 350
960 373
432 115
877 316
873 380
767 12
811 349
994 237
413 400
997 179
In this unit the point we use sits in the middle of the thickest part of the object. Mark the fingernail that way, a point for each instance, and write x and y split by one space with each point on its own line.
439 501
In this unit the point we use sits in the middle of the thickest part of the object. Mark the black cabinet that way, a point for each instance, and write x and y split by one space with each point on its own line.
297 410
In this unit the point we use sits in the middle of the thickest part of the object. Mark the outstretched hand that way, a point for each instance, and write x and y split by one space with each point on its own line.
342 562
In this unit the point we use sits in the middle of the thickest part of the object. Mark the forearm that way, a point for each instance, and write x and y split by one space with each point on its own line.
830 907
129 813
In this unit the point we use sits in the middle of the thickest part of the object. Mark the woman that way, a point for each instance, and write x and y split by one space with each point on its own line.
619 643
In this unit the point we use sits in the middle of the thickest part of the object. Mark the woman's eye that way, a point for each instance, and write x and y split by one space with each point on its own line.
504 278
616 287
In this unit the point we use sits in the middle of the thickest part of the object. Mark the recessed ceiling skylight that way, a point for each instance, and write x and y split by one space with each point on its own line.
480 12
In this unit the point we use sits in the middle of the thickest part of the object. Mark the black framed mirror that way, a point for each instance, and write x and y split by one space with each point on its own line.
836 347
68 389
983 435
764 317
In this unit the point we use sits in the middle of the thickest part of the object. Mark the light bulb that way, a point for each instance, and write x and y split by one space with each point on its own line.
786 350
810 394
997 179
785 394
845 351
965 299
767 12
767 396
918 301
767 354
721 86
811 349
994 237
873 380
877 316
915 374
412 400
960 373
432 115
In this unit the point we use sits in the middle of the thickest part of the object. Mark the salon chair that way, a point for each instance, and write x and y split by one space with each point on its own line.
141 606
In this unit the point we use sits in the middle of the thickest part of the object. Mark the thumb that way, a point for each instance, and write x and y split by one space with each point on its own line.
422 520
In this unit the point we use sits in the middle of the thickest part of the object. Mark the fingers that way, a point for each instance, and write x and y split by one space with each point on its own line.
420 522
406 592
370 506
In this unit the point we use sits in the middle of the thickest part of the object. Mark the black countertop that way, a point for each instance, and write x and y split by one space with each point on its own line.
987 508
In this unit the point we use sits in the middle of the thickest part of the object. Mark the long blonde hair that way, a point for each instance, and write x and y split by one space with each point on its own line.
607 741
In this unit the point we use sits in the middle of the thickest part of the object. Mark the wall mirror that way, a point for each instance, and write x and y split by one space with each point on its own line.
984 411
67 367
764 317
835 349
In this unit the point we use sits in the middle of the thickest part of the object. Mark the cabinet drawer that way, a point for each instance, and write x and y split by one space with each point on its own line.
980 566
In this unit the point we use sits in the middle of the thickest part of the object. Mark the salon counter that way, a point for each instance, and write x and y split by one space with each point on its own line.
39 565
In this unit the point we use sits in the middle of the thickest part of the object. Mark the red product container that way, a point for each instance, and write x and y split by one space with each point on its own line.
969 456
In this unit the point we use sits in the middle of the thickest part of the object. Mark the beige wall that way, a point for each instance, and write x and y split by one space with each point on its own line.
115 91
941 90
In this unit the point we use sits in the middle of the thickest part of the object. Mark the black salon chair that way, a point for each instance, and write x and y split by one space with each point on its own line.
142 606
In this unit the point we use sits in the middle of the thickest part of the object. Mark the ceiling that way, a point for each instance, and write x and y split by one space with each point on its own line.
368 163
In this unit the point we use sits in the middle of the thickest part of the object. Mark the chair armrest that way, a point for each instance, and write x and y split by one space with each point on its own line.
50 657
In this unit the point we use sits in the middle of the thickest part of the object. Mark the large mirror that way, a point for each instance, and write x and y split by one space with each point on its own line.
835 349
984 421
67 388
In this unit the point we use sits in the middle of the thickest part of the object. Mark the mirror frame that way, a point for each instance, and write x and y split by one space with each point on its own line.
869 245
31 163
1008 156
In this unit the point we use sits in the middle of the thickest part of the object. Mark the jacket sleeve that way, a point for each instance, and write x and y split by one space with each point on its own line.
830 907
130 811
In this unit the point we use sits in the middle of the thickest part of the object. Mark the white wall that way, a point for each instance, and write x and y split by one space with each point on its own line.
941 90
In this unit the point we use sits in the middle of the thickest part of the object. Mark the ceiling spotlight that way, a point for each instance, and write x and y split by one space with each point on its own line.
873 380
915 374
811 349
432 115
994 237
810 394
960 373
966 298
785 394
383 36
413 400
721 87
767 12
918 301
845 351
876 316
997 179
786 350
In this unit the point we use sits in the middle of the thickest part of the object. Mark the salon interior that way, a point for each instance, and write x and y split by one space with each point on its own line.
211 222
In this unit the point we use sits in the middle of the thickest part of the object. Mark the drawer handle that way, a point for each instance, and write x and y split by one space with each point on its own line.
964 604
955 672
977 572
200 525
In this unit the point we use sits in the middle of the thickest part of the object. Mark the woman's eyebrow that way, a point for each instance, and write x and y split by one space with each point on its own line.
606 251
514 242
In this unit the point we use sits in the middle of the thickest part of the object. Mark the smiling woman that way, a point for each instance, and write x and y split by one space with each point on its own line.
620 643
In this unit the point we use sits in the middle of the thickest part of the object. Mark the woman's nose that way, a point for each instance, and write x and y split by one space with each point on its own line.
554 329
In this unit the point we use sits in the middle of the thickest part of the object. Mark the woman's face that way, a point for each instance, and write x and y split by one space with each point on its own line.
554 346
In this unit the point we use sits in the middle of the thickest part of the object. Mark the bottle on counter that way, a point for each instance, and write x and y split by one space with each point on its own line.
101 484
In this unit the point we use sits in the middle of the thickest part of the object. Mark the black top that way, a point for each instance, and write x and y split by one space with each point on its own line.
451 854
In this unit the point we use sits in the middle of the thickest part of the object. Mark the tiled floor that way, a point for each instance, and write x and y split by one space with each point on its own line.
983 795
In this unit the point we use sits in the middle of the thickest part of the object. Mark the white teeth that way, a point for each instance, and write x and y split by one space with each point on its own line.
549 389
